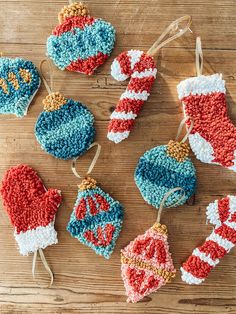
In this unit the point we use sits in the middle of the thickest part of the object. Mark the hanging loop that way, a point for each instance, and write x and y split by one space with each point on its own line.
93 163
189 129
49 87
172 32
199 56
167 194
45 264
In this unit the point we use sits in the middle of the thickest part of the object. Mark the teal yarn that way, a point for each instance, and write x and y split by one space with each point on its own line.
157 173
81 44
96 220
19 82
65 132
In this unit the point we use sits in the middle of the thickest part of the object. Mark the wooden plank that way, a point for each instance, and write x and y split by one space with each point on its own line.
85 282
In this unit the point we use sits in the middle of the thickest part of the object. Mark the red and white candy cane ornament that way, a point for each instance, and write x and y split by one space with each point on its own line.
204 258
141 68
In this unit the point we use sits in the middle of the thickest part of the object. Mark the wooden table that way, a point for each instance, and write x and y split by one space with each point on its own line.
85 282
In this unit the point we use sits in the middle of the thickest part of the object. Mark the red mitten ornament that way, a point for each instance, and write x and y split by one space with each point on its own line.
31 208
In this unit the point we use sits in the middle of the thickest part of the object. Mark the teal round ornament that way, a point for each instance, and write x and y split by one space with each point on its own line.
163 168
65 129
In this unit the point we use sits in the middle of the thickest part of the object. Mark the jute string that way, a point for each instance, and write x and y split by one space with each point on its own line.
93 163
173 31
49 87
189 129
45 264
167 194
199 56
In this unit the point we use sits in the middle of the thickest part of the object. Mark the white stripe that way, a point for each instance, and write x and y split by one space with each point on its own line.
117 137
205 258
116 71
232 204
135 56
123 115
212 213
189 278
201 85
145 73
227 245
231 224
133 95
38 238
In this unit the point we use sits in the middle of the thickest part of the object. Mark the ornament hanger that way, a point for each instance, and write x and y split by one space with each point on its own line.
199 56
172 32
93 163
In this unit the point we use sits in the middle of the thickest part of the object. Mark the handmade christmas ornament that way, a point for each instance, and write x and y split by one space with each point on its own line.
146 263
80 42
97 218
221 213
140 67
31 209
165 167
65 129
19 82
213 137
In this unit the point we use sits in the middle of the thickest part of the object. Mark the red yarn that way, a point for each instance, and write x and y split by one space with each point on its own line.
211 121
88 66
73 22
80 211
119 125
223 209
128 105
103 238
197 267
213 249
28 203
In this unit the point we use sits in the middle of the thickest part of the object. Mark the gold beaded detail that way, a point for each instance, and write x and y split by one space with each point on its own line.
26 75
3 85
87 184
177 150
73 9
13 80
166 275
53 102
160 228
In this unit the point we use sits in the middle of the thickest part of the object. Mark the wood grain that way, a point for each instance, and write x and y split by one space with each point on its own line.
84 282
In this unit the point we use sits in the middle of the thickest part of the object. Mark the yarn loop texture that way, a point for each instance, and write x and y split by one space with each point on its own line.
19 82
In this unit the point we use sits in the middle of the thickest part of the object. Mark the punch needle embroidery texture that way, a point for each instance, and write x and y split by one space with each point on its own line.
97 218
163 168
141 68
19 82
31 209
65 129
213 137
80 43
146 263
222 214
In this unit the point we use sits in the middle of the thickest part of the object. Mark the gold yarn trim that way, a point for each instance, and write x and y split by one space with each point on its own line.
73 9
3 85
26 75
178 150
53 102
13 80
165 274
160 228
87 184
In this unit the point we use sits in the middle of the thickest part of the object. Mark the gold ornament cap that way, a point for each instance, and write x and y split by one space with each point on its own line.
53 102
178 150
87 184
160 228
73 9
